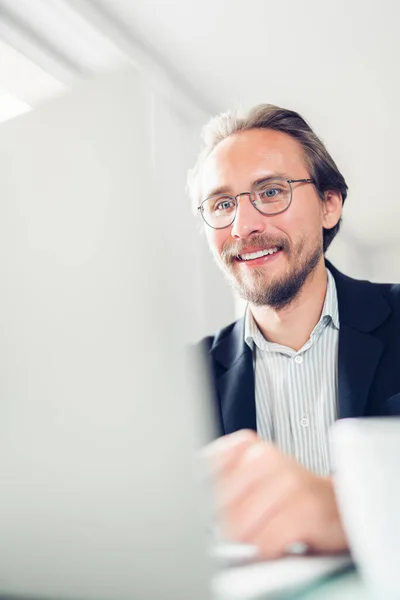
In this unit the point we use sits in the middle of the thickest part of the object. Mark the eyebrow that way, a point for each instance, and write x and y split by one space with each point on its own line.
225 189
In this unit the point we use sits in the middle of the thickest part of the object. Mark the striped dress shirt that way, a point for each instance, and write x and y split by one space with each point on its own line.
296 392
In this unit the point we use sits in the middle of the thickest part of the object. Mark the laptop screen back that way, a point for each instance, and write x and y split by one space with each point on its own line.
99 490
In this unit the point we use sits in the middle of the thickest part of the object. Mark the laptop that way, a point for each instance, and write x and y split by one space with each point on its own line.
100 493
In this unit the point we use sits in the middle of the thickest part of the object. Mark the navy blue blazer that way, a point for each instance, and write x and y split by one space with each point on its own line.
368 361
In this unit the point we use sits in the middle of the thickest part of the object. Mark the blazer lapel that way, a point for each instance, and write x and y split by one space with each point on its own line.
235 381
359 354
362 309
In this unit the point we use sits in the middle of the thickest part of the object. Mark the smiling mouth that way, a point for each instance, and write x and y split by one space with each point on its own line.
258 254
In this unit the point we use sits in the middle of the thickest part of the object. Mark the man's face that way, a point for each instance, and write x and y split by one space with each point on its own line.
295 235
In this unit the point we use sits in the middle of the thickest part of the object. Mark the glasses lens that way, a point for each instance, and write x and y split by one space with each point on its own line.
272 196
219 211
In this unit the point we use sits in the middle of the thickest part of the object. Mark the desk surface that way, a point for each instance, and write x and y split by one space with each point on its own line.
253 584
347 586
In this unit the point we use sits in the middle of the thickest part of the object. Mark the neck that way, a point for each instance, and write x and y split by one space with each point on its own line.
292 326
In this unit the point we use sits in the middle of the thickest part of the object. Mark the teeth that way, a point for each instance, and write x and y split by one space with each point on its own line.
259 254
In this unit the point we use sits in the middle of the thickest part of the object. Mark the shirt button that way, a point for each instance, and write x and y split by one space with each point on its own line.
304 421
298 359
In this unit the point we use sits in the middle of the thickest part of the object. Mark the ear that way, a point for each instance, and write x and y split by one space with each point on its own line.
332 208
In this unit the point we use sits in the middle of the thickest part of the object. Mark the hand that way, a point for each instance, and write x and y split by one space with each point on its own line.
266 498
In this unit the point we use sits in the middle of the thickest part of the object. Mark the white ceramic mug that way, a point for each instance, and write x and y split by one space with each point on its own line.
366 461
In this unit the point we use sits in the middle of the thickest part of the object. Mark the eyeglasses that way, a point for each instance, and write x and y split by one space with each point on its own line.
269 197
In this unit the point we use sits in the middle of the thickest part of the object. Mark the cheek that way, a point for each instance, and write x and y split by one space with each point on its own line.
298 222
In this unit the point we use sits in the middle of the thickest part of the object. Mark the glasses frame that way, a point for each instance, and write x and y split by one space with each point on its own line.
250 194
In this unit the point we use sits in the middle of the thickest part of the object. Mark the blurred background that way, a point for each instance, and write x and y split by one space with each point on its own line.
336 63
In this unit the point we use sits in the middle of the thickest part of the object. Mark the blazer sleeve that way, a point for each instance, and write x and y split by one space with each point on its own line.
391 406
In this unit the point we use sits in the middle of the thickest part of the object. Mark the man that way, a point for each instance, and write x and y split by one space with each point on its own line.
314 345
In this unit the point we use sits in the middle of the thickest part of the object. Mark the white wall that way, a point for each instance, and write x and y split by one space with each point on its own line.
386 263
350 256
380 263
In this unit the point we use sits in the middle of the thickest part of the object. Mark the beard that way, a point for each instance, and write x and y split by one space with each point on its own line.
257 286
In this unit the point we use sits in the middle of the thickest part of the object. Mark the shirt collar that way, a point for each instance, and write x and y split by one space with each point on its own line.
330 314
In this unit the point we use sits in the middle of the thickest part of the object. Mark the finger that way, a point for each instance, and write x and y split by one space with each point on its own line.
310 516
286 526
224 452
261 463
257 464
252 510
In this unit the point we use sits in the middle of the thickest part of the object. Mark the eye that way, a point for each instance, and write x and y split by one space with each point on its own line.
225 204
269 193
272 191
221 204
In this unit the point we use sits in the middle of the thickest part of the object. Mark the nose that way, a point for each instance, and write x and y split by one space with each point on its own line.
248 219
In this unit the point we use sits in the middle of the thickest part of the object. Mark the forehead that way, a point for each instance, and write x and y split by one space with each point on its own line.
242 158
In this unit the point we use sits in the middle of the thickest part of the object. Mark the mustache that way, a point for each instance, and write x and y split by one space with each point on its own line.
234 249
